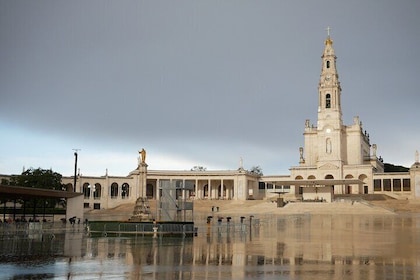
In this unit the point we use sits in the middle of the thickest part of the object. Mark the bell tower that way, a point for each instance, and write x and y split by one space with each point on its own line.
331 148
329 89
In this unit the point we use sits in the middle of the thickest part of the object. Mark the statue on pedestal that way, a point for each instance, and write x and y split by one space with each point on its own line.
374 148
142 158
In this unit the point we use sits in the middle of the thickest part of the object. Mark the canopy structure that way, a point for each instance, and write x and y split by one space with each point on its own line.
317 190
317 183
25 192
74 199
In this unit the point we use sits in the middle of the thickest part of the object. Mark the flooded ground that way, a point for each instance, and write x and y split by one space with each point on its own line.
299 246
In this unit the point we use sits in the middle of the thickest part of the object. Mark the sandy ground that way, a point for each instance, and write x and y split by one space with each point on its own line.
264 207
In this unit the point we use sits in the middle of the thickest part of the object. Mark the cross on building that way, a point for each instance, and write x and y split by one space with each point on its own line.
328 31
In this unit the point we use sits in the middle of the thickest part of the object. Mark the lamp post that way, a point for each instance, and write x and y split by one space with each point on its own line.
75 169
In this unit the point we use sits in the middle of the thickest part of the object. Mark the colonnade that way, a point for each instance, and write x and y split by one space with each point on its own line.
195 189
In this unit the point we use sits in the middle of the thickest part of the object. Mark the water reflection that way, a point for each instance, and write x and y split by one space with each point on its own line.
269 247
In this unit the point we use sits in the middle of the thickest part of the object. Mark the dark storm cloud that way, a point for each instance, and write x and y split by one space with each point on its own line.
203 79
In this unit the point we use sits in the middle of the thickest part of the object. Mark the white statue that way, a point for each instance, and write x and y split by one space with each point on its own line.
374 147
143 155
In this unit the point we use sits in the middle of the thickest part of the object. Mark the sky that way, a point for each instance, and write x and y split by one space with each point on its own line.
198 83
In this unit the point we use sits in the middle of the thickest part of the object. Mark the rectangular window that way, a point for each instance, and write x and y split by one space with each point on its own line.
406 185
96 206
86 205
269 186
387 185
396 185
261 185
377 185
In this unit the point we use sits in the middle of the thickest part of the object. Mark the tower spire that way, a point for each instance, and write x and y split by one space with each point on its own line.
328 41
329 89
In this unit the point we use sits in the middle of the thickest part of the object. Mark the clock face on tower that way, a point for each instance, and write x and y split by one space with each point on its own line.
327 78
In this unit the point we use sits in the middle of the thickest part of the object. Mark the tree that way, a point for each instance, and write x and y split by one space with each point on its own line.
198 168
388 167
40 179
256 170
4 182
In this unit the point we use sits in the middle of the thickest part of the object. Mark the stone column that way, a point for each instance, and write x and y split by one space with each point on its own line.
222 189
196 190
210 189
415 177
142 180
105 196
73 207
184 191
265 189
157 190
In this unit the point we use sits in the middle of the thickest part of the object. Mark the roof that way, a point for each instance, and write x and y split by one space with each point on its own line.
317 183
18 191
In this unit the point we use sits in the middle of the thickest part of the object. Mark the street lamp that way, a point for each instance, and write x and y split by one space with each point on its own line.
75 168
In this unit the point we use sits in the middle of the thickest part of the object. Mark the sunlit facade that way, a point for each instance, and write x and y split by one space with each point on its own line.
335 159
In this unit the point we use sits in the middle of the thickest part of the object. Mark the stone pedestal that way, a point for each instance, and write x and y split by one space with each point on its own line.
415 180
142 179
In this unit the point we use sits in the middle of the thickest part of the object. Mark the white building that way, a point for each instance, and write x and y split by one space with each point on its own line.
335 151
336 159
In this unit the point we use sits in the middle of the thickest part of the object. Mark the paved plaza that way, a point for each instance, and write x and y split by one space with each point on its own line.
266 207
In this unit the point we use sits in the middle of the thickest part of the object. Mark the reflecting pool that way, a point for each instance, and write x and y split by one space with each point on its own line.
266 247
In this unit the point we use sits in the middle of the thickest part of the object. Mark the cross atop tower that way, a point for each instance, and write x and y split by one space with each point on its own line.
328 31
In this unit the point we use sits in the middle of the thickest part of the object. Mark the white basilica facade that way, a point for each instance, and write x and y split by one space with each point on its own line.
336 159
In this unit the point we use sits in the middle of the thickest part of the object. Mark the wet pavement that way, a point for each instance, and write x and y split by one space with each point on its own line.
300 246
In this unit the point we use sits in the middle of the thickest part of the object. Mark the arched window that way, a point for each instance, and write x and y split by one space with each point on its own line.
125 190
69 187
97 191
329 176
114 190
328 101
300 187
348 188
86 190
328 64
